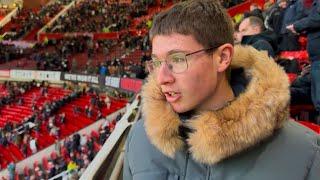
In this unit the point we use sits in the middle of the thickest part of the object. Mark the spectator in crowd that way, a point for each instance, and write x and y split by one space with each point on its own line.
273 21
254 11
268 5
97 16
311 24
62 118
99 115
119 116
253 33
57 147
33 145
197 121
107 101
288 41
300 88
102 136
12 170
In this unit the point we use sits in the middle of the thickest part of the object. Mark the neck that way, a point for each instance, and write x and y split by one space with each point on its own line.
223 94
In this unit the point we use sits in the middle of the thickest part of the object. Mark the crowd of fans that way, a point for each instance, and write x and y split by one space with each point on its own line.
14 91
119 67
10 52
72 155
27 20
99 16
113 17
20 133
46 115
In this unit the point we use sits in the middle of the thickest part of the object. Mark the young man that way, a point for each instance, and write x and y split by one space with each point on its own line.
202 122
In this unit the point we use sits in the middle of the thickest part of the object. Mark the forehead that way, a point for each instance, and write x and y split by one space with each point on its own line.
244 24
164 44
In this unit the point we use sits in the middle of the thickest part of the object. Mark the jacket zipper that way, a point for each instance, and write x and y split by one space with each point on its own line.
208 172
186 165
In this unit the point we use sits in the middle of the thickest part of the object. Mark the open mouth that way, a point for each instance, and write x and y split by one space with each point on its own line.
172 96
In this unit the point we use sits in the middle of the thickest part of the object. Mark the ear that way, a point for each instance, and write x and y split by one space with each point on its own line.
256 29
225 53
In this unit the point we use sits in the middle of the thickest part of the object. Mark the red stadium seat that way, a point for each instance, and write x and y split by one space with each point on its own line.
314 127
301 111
292 77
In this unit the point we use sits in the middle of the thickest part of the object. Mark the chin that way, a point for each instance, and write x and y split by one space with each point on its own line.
179 108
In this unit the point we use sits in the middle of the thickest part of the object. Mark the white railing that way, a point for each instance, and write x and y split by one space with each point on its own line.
63 12
106 149
11 3
8 17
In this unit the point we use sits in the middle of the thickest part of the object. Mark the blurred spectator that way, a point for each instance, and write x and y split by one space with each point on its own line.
300 89
288 41
254 11
253 33
33 145
12 170
310 23
274 18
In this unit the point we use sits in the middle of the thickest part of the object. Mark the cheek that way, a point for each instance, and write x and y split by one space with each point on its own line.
200 81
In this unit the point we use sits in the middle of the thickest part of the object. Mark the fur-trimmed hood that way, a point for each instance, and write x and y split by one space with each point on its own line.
252 117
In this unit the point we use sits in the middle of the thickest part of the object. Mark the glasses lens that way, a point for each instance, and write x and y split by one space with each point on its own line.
177 62
153 65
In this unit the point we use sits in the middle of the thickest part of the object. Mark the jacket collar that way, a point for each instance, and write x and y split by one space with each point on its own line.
252 117
267 35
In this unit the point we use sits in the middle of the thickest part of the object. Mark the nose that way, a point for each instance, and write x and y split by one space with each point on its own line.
164 75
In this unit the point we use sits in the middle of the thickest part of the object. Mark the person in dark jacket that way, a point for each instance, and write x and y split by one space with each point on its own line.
274 19
300 88
311 25
288 41
253 33
197 124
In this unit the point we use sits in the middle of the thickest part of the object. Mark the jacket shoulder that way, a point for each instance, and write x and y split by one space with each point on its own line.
140 152
296 131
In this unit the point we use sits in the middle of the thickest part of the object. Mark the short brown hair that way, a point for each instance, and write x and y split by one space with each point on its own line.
256 21
206 20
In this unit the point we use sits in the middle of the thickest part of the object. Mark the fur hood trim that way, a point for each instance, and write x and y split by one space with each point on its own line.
252 117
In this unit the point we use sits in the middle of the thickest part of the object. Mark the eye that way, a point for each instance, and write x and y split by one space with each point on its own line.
177 58
156 63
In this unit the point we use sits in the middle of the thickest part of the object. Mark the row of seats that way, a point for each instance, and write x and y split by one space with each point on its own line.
74 122
16 113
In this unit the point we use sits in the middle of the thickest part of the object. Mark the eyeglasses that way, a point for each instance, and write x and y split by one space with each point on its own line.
176 62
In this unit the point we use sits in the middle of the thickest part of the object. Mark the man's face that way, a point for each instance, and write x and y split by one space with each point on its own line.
195 86
246 29
283 4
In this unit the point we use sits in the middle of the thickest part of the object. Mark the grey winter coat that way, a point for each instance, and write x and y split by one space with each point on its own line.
250 139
